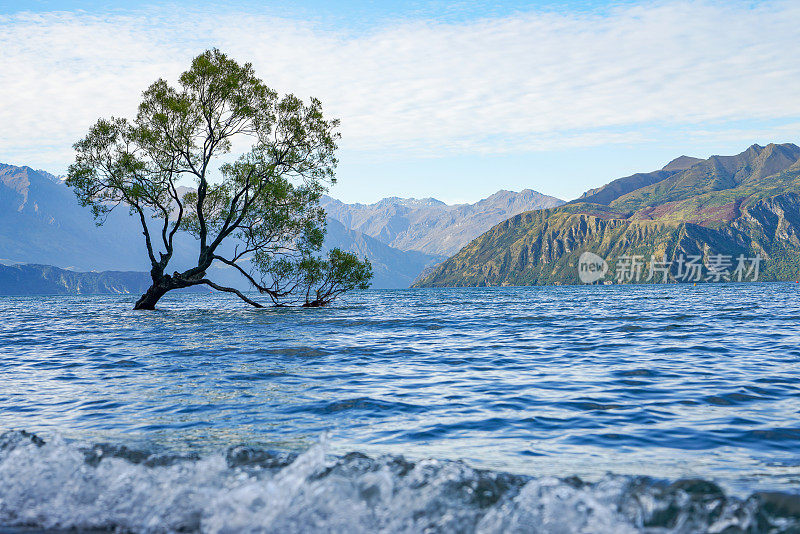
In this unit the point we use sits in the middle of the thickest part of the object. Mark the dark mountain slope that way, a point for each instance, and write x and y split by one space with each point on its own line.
723 205
622 186
681 163
610 192
718 173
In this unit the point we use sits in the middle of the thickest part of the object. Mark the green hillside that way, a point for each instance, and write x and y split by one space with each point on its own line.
745 206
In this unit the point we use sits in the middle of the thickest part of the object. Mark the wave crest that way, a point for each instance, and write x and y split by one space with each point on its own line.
59 484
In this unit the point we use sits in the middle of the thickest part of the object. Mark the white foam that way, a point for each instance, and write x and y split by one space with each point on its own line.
53 486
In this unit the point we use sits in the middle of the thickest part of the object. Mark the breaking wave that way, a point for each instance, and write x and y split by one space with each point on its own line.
63 485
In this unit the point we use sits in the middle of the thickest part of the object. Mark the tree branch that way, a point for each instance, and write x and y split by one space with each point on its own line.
146 231
262 289
229 290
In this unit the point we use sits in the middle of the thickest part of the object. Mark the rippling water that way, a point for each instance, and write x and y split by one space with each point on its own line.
500 409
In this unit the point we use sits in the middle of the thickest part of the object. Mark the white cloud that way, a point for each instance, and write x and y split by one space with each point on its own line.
536 81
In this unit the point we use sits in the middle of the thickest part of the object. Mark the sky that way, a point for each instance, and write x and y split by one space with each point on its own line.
451 100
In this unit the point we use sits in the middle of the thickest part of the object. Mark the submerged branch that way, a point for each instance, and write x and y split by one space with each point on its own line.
230 290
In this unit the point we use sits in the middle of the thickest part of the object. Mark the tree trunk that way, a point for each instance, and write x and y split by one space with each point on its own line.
149 300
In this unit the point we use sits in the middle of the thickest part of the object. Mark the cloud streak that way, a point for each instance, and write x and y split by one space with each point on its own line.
528 82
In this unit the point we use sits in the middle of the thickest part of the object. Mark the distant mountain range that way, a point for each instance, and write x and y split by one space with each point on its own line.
41 223
392 268
431 226
747 204
49 280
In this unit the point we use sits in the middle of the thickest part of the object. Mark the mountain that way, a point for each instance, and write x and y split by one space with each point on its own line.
681 163
429 225
41 222
49 280
622 186
747 204
392 268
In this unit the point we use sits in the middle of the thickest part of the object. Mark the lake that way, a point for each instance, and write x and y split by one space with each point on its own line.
553 409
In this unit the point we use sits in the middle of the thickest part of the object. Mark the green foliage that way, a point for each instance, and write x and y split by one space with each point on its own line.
266 201
323 279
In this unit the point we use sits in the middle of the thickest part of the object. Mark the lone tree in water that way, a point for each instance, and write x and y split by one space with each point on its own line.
263 208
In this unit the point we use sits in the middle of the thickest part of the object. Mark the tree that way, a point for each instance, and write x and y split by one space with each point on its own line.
263 206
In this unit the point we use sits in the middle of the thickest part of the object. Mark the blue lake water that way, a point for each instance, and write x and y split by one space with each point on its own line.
552 409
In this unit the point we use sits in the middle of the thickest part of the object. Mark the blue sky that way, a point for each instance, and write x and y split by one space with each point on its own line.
453 100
